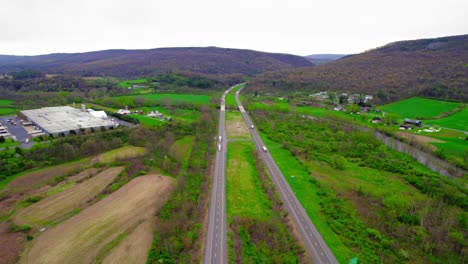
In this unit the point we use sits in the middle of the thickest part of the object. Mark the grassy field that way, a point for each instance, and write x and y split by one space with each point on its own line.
243 188
133 248
129 83
306 193
419 108
7 108
231 100
5 102
182 148
235 126
82 237
56 208
186 115
121 153
458 121
164 98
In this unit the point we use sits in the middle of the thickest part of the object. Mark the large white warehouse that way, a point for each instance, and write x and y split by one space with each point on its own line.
64 119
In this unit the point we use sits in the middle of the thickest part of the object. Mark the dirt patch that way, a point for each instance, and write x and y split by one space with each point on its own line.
11 244
236 127
80 238
54 208
134 248
418 139
34 179
83 175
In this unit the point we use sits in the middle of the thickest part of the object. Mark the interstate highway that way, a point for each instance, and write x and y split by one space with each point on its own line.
313 241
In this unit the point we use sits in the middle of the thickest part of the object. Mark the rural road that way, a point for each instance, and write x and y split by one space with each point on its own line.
313 241
215 243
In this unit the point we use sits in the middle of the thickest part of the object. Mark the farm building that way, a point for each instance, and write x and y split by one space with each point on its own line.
408 121
65 119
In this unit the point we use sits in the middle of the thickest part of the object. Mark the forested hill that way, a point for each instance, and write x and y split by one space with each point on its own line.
134 63
427 67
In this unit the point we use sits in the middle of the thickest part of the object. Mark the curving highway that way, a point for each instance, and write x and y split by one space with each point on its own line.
313 241
215 243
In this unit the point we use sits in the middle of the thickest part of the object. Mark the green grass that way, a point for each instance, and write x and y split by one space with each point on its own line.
458 121
196 99
231 100
123 152
60 188
419 108
5 102
278 106
298 179
129 83
149 121
7 111
243 187
186 115
182 149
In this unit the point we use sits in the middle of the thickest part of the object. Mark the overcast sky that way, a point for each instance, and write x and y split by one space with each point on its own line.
302 27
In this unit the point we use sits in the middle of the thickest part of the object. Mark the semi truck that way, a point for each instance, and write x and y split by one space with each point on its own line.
264 149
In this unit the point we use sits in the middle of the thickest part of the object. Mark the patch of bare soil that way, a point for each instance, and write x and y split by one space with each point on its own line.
134 248
81 238
10 244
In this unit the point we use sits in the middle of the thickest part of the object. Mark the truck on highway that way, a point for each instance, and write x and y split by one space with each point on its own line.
220 137
251 127
219 147
264 149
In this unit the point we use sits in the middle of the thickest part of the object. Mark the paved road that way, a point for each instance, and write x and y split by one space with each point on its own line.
215 243
314 243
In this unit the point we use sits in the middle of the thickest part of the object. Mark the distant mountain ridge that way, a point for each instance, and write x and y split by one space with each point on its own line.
318 59
133 63
427 67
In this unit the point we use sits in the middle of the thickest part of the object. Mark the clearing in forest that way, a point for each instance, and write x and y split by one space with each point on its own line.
81 238
56 207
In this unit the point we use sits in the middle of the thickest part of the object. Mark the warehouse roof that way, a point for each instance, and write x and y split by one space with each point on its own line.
64 118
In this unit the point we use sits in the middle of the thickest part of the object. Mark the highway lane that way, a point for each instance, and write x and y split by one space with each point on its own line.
313 241
216 239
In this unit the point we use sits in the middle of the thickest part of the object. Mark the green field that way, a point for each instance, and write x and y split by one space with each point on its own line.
166 99
244 192
6 107
419 108
5 102
186 115
182 148
129 83
306 193
458 121
231 100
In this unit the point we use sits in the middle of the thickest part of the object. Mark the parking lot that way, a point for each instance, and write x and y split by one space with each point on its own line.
16 130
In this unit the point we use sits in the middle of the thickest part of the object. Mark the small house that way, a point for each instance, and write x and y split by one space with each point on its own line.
414 122
123 111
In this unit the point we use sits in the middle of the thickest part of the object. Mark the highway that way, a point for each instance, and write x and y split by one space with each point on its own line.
215 243
313 241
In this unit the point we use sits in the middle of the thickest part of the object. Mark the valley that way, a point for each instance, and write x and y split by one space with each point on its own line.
237 156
